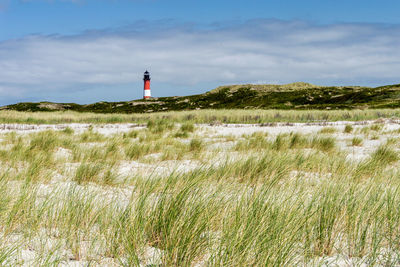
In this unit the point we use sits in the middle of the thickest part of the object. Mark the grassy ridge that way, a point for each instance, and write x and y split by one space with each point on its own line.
200 116
291 96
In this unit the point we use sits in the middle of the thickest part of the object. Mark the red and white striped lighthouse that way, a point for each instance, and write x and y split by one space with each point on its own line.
146 91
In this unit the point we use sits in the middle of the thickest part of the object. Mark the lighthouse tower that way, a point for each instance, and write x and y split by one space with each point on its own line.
146 91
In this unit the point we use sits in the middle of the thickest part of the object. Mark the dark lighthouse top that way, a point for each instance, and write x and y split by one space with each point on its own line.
146 76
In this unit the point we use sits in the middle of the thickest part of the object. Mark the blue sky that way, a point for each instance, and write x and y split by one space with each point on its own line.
92 50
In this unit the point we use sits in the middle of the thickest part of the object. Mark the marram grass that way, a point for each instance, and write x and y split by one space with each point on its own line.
199 116
283 200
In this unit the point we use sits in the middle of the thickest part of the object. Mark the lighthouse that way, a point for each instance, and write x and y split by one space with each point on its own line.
146 91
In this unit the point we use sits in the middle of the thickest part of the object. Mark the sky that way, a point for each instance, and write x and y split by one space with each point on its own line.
85 51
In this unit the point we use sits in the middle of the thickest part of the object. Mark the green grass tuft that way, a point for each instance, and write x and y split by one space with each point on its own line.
348 129
323 143
385 155
328 130
356 141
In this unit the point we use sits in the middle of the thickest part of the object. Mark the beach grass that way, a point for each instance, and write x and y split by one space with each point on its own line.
159 120
259 199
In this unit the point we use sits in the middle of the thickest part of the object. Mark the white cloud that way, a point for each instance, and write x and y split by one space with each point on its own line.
182 55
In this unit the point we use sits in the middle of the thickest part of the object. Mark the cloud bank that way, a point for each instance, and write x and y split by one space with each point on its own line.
185 55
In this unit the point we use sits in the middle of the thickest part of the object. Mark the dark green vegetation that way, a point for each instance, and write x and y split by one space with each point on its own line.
291 96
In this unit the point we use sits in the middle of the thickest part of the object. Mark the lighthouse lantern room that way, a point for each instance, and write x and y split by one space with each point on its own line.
146 79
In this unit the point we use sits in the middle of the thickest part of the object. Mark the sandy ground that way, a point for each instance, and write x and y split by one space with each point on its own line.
343 140
223 129
106 129
212 135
